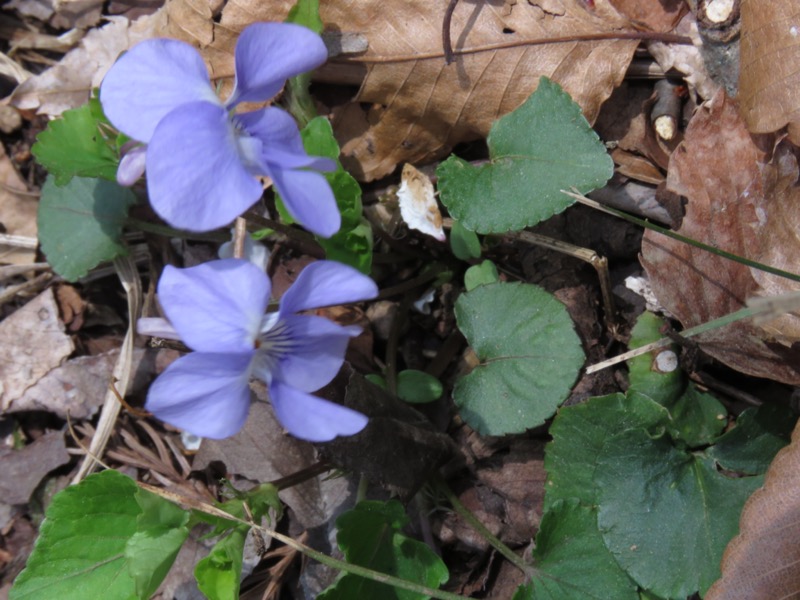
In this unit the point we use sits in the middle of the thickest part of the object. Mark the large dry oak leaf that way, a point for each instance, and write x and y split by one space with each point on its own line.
738 204
769 73
421 107
762 562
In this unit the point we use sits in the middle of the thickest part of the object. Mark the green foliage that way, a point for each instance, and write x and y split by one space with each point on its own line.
543 147
370 536
417 387
306 12
219 574
464 243
481 274
644 375
103 538
161 529
572 563
529 357
579 433
296 96
665 514
755 440
80 224
75 146
352 244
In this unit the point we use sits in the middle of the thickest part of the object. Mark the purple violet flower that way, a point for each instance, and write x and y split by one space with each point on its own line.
203 160
218 310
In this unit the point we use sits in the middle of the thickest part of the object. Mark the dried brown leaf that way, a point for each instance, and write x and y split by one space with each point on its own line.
23 469
656 15
67 85
740 205
77 388
769 74
422 107
17 213
761 563
33 343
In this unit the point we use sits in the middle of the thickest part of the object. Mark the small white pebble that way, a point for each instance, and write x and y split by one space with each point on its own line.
190 441
666 361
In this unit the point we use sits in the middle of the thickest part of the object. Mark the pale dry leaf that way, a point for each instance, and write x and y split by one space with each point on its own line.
17 213
32 343
23 469
769 72
79 14
733 204
78 387
418 205
686 58
422 107
68 84
761 563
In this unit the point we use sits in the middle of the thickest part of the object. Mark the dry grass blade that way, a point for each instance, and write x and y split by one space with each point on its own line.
126 269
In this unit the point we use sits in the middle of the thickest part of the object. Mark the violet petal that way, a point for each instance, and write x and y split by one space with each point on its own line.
196 179
316 351
326 283
310 418
205 394
267 54
216 306
131 165
149 81
283 146
309 199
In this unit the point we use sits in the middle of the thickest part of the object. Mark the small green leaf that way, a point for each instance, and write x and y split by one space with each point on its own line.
644 373
351 246
464 243
666 514
543 147
80 552
572 561
80 224
370 536
579 433
218 575
417 387
753 443
74 146
697 418
529 357
481 274
161 530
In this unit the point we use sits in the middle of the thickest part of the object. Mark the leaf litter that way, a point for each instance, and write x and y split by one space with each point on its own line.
740 194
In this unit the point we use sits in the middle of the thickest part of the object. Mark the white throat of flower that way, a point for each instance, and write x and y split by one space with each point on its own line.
272 343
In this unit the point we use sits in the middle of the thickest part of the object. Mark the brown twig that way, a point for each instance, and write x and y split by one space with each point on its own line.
648 36
446 43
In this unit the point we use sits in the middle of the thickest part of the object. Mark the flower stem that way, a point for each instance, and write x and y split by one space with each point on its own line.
167 231
473 521
300 547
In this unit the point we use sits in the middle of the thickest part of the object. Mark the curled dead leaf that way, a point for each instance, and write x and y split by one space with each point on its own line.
761 563
738 204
